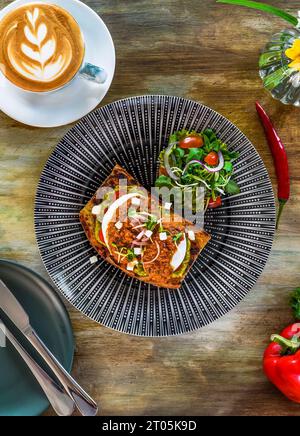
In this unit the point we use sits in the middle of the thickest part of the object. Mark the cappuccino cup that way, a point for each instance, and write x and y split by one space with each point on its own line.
42 49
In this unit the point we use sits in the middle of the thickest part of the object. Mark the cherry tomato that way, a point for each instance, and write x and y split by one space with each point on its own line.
191 142
212 159
163 172
213 204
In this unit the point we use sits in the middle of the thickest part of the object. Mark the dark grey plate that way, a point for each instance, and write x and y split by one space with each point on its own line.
20 395
132 132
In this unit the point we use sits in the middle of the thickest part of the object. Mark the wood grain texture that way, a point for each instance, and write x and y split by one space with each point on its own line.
209 53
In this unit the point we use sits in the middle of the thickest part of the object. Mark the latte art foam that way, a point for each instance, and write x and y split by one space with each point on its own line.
41 47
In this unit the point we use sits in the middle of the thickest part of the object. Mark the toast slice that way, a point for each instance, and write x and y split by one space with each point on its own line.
131 230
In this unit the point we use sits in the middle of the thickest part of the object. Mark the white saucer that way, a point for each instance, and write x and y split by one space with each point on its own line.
80 96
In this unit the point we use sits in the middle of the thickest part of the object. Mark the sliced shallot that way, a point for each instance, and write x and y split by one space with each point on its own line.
140 235
139 243
167 155
139 226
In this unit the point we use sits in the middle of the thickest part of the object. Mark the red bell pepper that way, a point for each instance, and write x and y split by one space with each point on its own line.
282 362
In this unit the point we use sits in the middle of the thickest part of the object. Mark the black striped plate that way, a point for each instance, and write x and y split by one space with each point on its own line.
132 132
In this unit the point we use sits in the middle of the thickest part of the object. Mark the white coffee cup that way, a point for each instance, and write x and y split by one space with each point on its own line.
87 71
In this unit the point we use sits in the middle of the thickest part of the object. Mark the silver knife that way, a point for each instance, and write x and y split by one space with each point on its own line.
15 312
57 396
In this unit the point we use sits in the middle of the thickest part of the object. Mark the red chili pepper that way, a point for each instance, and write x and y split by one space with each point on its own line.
282 362
280 159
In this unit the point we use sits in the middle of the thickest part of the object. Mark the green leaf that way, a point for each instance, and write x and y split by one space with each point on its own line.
206 140
177 237
232 188
173 138
151 222
179 152
228 166
194 154
187 179
213 195
178 155
263 7
163 181
210 134
130 255
216 146
231 155
223 147
295 303
178 136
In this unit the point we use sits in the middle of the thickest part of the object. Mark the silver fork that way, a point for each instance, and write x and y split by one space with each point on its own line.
58 398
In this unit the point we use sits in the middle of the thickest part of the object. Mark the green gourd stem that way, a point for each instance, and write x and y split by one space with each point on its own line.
282 203
263 7
287 345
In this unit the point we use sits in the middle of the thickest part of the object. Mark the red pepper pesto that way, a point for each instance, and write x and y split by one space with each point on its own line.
161 268
154 263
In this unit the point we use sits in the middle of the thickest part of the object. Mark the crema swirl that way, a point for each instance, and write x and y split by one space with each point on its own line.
41 47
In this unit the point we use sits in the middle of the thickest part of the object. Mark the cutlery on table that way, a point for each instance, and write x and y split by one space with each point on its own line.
15 312
58 398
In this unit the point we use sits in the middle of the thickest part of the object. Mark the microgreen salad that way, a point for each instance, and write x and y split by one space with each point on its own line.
194 159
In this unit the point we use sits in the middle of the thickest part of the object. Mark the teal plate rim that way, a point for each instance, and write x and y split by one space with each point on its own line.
42 405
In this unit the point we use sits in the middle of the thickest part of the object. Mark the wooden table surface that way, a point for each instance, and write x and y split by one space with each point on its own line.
209 53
